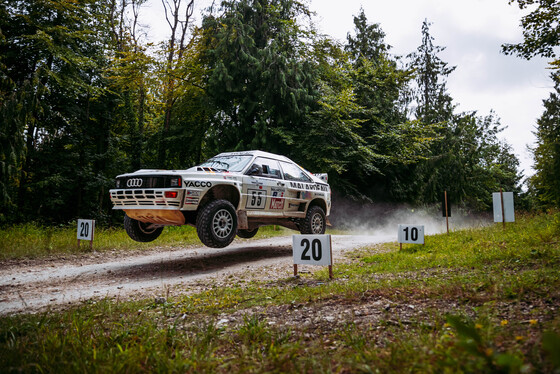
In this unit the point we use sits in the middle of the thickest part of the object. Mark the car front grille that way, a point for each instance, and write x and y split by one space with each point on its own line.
141 198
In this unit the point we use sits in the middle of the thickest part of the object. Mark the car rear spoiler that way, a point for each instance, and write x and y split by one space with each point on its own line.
322 176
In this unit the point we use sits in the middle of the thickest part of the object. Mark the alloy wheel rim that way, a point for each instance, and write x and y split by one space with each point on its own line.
222 223
317 223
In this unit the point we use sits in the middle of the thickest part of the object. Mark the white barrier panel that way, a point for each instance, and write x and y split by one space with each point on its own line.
509 211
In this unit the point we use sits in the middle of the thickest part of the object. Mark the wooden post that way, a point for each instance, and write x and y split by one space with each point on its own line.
503 210
446 211
295 270
330 266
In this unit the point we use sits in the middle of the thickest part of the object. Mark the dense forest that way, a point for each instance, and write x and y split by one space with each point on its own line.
83 97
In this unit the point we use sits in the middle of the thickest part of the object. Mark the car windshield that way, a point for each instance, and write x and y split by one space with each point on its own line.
233 163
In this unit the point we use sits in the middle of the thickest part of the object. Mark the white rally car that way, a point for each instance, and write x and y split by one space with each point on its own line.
232 193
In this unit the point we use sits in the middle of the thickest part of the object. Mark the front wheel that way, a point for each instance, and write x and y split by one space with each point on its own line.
315 221
141 231
216 224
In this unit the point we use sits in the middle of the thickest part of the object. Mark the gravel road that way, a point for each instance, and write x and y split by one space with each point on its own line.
29 286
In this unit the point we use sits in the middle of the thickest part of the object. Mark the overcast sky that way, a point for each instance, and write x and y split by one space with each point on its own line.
472 33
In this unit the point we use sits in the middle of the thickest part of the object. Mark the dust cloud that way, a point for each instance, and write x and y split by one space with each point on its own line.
383 218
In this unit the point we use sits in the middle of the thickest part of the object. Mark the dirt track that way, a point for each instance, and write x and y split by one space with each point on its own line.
31 286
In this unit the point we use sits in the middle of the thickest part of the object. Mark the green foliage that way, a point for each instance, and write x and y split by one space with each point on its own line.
541 31
546 181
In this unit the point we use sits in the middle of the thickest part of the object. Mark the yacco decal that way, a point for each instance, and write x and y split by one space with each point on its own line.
276 203
198 184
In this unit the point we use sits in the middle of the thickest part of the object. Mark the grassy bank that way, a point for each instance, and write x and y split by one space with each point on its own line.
32 240
482 300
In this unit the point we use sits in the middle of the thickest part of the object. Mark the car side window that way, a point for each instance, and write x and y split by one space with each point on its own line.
293 173
265 167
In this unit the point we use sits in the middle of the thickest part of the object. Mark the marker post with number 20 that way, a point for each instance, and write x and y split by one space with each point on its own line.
411 234
312 250
86 228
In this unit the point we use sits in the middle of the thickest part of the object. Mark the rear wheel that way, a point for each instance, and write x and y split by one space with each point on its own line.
216 224
247 234
315 221
141 231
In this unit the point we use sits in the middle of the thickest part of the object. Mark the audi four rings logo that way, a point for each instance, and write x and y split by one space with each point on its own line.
134 182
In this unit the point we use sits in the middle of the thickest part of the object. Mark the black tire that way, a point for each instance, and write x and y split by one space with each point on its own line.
216 224
315 221
247 234
140 231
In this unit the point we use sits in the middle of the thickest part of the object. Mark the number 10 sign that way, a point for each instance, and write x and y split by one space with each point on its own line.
411 234
312 250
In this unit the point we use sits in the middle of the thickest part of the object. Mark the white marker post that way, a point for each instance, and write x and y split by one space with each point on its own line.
86 228
312 250
413 234
503 207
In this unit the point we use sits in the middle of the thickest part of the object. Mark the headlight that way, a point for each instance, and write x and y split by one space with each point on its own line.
118 183
175 182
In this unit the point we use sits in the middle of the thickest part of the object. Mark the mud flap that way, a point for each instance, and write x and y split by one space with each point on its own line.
242 222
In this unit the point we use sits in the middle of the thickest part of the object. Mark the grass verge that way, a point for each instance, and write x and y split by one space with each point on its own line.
482 300
32 240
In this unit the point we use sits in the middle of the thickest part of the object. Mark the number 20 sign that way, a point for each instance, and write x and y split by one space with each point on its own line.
312 250
411 234
85 229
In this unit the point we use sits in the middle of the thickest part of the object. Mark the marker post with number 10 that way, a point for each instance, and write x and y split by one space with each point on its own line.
411 234
312 250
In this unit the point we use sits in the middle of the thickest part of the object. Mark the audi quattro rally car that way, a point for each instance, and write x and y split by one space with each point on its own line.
232 193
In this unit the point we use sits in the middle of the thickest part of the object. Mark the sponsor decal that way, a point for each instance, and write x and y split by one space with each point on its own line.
192 193
309 186
198 184
191 200
278 192
276 203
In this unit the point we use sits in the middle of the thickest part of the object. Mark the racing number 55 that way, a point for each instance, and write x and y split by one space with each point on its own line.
256 199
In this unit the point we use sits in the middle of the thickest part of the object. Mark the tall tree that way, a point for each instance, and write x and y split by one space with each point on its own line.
260 79
178 14
380 88
434 104
546 153
541 37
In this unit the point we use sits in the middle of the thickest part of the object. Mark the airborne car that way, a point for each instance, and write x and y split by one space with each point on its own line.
232 193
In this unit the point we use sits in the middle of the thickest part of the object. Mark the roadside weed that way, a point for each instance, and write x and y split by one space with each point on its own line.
482 301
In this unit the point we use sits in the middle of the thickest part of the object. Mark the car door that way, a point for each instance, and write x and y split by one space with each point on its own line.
263 191
296 182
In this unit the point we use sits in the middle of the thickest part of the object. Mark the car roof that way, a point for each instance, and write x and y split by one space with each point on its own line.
256 154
